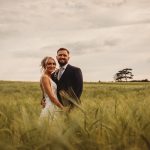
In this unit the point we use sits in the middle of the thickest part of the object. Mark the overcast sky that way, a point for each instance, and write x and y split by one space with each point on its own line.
103 36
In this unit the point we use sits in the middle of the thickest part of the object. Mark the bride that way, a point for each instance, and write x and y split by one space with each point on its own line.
49 89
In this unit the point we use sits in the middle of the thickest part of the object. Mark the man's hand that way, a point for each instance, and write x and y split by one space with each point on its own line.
43 102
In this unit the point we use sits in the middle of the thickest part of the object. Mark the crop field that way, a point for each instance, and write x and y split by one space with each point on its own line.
112 116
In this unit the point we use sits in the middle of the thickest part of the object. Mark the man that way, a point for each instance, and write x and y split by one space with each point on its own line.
68 79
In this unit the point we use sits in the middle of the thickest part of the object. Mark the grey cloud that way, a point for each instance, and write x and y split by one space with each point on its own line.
84 47
106 29
112 42
110 3
50 15
94 46
85 3
26 54
35 53
130 13
80 48
6 33
76 48
148 60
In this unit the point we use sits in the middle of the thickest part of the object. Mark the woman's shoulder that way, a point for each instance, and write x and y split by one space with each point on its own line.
44 77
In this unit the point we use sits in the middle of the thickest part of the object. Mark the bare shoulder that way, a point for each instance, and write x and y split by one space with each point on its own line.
44 77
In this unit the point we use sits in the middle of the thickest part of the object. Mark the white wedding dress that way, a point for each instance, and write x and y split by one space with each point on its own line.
50 110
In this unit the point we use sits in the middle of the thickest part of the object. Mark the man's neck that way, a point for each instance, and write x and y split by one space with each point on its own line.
64 66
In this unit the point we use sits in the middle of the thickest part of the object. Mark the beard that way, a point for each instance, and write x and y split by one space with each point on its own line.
62 63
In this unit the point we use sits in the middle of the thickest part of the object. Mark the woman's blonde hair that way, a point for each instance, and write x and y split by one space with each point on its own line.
45 60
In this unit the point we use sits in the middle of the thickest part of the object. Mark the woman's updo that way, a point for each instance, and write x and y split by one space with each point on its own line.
44 62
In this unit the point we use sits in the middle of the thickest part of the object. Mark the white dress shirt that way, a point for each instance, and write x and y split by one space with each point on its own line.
61 71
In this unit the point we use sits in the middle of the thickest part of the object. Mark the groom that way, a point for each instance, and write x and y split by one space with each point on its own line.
68 78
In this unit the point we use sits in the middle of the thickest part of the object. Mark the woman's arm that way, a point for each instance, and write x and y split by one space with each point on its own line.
47 87
43 97
42 89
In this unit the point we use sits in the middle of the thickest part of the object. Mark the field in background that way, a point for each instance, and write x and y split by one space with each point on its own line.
113 116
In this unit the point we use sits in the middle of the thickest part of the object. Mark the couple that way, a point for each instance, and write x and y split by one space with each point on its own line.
55 84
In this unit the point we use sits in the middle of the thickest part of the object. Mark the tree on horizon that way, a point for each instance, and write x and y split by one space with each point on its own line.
123 74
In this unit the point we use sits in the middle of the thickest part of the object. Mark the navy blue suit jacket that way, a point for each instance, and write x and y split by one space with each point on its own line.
70 79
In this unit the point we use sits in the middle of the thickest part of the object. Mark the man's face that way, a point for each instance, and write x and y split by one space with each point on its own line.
62 57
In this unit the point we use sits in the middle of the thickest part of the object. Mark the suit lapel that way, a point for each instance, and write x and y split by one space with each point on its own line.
65 72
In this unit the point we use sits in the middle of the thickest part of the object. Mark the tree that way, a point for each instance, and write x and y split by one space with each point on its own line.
124 74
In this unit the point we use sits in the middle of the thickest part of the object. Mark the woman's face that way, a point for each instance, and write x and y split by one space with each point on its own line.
50 65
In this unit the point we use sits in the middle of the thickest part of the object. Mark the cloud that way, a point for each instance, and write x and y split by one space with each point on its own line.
91 46
78 47
47 16
148 60
102 35
26 54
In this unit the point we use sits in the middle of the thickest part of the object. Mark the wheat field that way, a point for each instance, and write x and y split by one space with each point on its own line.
112 116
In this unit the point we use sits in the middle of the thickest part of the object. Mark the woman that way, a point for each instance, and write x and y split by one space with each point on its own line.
49 89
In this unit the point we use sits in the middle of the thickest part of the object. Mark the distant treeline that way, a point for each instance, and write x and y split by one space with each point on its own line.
144 80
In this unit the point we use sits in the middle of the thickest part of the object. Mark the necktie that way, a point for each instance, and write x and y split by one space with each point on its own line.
60 72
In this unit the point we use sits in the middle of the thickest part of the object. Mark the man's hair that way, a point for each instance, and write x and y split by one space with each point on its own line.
63 49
